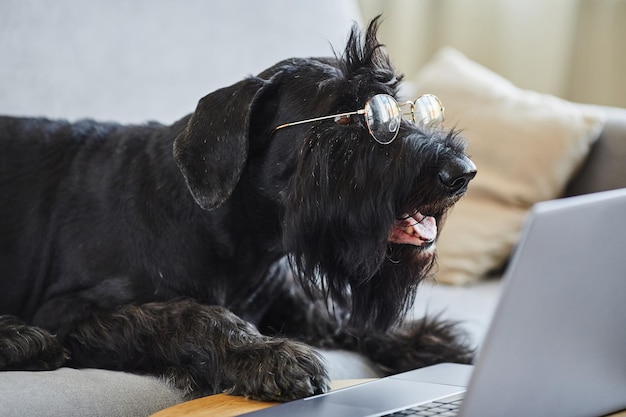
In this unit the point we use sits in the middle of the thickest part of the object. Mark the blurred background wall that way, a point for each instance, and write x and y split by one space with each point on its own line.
131 61
575 49
136 60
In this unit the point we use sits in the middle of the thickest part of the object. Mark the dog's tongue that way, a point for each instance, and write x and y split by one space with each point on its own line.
416 230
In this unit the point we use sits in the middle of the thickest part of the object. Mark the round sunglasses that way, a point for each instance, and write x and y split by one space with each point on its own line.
383 115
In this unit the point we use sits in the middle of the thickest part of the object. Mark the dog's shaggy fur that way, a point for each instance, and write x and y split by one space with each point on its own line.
221 278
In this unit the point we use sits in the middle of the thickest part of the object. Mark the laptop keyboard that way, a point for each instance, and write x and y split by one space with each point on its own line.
443 407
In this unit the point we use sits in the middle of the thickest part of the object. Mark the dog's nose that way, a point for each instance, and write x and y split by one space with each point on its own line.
457 174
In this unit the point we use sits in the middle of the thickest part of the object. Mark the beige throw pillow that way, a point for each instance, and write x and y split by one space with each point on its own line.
526 146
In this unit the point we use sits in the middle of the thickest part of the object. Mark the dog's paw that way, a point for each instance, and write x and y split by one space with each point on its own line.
277 370
416 344
28 348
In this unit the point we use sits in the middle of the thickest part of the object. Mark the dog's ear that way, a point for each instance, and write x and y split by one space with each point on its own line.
212 150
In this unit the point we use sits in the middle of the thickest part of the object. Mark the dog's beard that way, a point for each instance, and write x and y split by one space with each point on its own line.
389 294
347 237
371 301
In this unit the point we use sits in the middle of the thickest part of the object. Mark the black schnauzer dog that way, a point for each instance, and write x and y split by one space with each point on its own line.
306 215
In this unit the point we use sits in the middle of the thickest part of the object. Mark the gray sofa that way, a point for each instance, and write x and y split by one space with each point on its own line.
35 83
91 392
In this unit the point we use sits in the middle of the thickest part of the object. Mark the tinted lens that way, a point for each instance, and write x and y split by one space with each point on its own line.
429 110
383 116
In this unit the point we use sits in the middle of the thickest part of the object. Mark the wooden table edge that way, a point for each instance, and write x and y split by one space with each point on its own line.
224 405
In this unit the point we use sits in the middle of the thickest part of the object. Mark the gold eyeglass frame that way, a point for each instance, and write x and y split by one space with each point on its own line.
431 111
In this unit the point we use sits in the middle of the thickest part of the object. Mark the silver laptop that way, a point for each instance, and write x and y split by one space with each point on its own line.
556 345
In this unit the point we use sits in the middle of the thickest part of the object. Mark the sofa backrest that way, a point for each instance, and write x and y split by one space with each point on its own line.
134 61
605 167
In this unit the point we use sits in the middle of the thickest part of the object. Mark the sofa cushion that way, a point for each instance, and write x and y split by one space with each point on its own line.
83 392
526 146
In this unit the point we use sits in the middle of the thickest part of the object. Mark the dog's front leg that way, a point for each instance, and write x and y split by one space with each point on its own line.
201 349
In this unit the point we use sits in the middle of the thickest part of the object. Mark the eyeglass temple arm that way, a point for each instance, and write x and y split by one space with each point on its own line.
334 116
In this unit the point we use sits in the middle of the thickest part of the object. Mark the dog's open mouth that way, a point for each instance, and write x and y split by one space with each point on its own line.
414 229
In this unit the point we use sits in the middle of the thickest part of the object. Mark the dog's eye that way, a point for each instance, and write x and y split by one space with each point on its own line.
343 119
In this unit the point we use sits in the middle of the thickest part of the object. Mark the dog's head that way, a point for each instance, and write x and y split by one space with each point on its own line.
360 201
